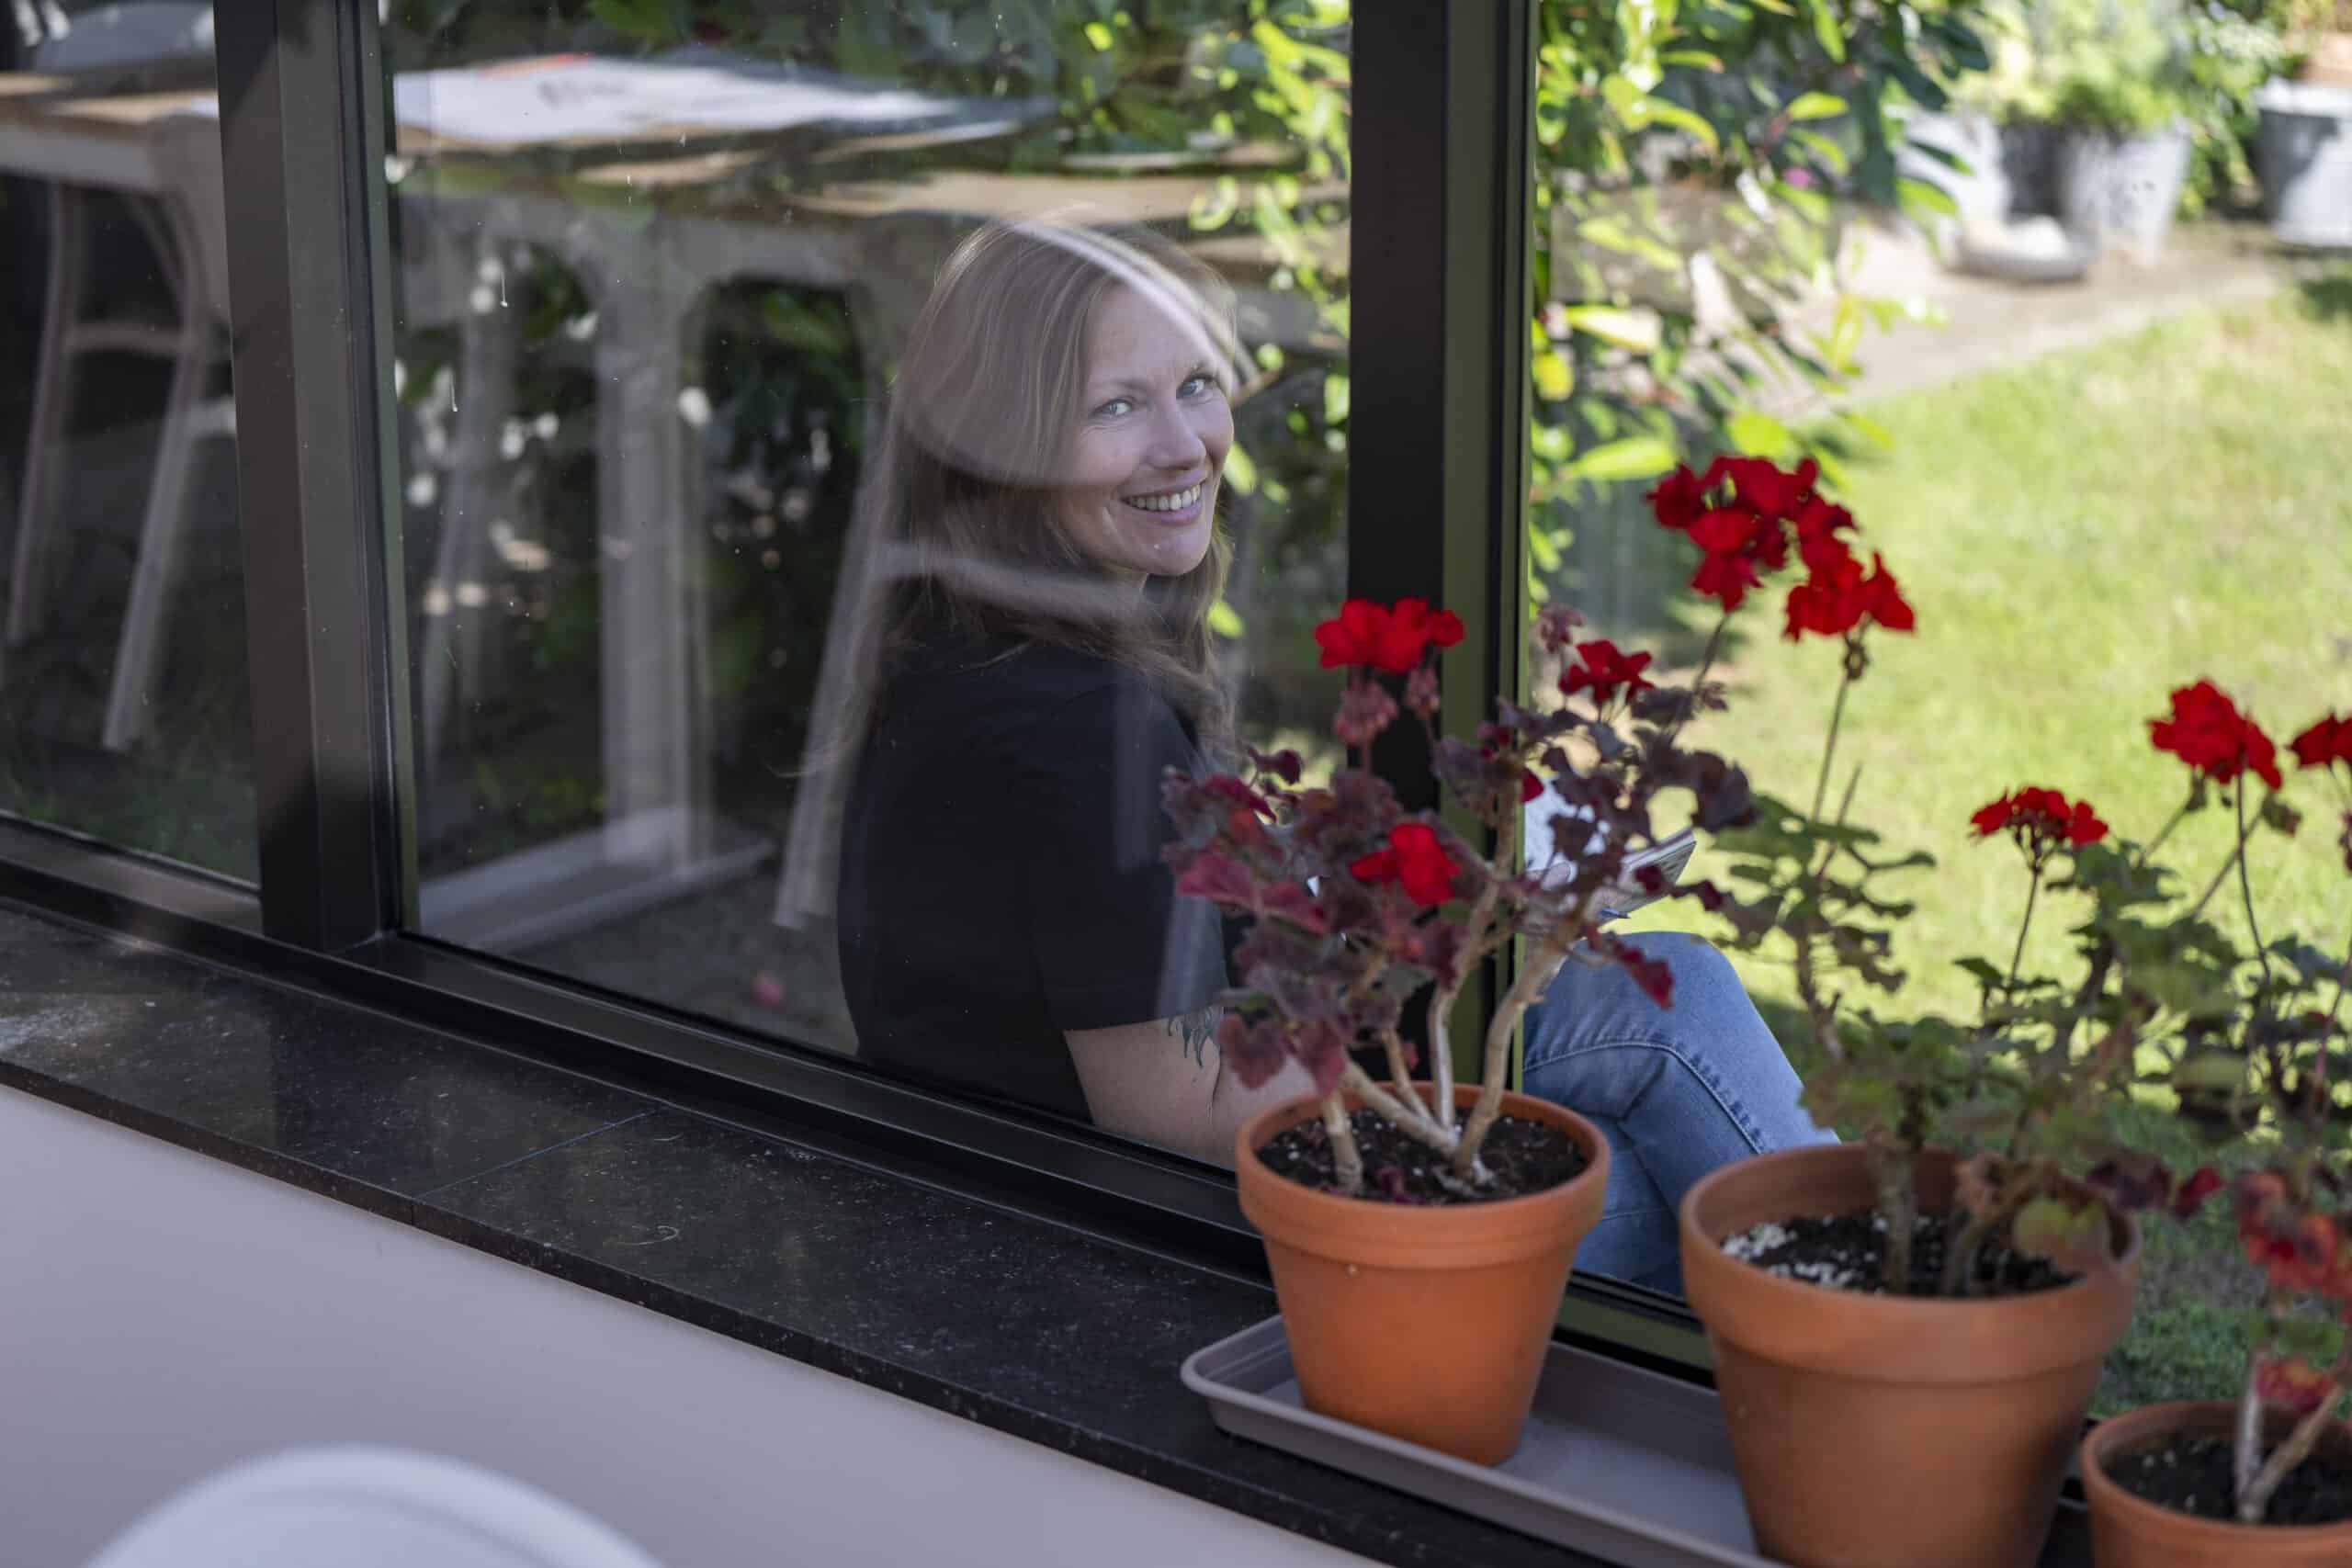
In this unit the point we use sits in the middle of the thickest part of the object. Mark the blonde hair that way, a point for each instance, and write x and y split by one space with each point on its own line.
958 529
978 424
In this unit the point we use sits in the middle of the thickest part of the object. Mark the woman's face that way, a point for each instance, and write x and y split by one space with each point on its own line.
1153 427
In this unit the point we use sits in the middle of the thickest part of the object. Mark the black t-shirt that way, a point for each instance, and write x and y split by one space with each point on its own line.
1001 871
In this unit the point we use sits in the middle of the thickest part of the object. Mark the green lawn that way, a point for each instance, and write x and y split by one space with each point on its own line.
2079 535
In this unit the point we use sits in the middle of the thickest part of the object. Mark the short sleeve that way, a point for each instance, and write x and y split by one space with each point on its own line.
1114 944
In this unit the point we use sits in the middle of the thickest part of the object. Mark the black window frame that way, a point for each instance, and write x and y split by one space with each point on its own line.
1442 92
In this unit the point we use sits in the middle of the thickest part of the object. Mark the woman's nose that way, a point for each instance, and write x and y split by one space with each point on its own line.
1174 443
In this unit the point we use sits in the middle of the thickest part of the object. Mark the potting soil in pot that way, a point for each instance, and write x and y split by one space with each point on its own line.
2192 1476
1848 1251
1525 1156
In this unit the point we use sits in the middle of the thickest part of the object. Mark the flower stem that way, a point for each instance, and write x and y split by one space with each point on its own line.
2246 889
1959 1275
2215 886
1524 992
2254 1501
1401 1076
1895 1204
2246 1451
1829 745
1706 663
2149 850
2017 959
1347 1161
1420 1129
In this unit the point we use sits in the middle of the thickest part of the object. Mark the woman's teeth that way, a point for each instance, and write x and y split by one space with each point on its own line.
1175 502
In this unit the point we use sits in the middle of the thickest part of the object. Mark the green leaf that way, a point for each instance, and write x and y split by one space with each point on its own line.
2075 1239
1833 157
1224 621
2213 1072
1759 435
1553 378
1697 59
1616 236
1636 329
1240 470
1826 29
1336 398
1816 106
1870 429
1642 112
1921 200
1550 441
1637 458
1099 36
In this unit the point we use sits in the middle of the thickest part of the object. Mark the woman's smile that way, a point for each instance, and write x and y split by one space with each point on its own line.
1141 476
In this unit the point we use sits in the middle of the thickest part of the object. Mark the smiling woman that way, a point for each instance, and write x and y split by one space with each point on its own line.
1042 552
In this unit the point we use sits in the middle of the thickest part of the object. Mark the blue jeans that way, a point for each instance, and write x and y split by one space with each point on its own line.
1678 1091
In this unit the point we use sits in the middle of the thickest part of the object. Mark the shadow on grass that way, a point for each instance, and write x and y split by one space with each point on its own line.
2328 298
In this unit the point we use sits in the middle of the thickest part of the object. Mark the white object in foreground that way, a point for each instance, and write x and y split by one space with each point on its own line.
367 1507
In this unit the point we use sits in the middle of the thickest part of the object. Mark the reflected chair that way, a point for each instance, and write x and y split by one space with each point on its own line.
185 226
366 1507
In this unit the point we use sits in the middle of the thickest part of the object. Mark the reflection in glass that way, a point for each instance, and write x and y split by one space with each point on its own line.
123 666
657 288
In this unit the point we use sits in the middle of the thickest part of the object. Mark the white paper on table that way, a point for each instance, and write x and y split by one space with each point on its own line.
590 99
1536 836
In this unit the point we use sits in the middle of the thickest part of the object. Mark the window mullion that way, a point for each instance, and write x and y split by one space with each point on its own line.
301 153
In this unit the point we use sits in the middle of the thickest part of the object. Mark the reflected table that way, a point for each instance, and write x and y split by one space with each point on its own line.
652 207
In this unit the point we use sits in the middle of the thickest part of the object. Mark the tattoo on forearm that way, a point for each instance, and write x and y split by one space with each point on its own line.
1197 1030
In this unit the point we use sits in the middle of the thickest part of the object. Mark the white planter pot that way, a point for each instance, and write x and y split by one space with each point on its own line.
2306 162
2121 190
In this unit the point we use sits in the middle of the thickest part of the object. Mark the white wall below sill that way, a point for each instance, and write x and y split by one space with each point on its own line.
164 1314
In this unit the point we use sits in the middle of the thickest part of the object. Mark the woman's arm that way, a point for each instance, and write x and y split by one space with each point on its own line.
1164 1083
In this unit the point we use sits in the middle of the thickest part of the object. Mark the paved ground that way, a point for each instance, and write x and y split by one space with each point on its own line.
1985 324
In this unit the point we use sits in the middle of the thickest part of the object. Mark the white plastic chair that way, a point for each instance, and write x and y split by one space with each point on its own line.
187 230
366 1507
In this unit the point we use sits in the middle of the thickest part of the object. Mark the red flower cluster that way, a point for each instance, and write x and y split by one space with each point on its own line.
1415 861
2329 740
1389 638
2298 1247
2294 1382
1603 667
1745 534
2207 732
2041 817
1838 595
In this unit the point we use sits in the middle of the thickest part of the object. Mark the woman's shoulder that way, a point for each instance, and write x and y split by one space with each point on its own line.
1035 673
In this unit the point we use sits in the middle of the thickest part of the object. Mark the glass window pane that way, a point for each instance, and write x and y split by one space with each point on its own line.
2090 410
830 423
122 662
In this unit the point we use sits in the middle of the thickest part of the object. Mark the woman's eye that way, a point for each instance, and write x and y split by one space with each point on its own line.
1114 408
1194 386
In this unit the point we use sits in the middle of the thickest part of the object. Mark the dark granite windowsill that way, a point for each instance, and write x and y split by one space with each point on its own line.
1020 1324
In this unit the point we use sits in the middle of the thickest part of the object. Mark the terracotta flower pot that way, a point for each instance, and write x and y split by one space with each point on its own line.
2131 1532
1873 1430
1427 1323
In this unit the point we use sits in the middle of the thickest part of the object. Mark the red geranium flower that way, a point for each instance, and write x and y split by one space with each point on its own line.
1677 500
1415 861
2207 732
2041 816
2329 740
1818 545
1387 638
1600 665
1834 601
2294 1382
1774 493
1725 578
